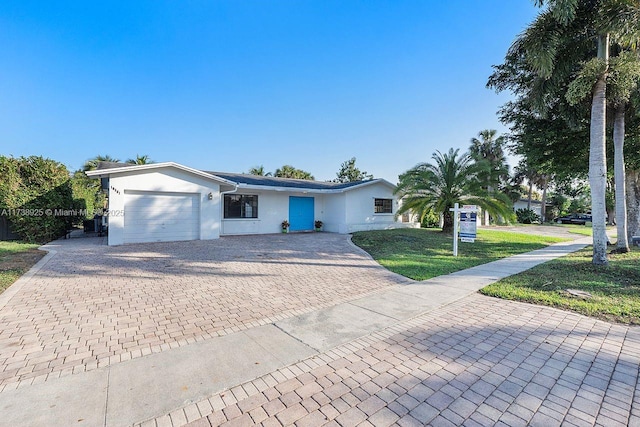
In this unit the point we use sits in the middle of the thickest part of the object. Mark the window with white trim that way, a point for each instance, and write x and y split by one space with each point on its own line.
383 206
240 206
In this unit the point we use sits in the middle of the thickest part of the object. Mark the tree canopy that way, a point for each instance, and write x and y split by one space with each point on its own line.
259 171
562 74
452 178
350 173
140 160
288 171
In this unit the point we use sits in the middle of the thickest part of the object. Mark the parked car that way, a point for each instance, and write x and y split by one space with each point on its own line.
576 218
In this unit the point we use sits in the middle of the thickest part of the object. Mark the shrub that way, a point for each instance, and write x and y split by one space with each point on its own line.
33 193
87 191
430 220
527 216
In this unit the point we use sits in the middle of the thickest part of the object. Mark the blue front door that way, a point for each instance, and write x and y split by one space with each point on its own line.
300 213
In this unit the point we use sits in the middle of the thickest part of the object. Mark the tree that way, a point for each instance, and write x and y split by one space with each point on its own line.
549 46
288 171
140 160
490 149
453 178
259 170
524 171
89 190
36 196
92 164
350 173
540 40
622 81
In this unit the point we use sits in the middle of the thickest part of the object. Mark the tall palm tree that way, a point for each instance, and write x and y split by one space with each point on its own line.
92 163
623 78
140 160
489 148
541 40
453 178
524 171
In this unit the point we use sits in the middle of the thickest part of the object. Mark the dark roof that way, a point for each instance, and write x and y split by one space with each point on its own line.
267 181
111 165
271 181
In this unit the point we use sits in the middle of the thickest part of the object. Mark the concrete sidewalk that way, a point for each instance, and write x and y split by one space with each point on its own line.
151 386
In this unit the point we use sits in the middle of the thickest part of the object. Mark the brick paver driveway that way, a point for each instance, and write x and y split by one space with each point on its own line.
92 305
477 362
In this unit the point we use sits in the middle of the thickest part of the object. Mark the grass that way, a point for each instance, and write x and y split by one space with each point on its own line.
15 259
615 289
421 254
576 229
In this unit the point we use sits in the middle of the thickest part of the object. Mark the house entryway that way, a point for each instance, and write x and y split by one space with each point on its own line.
301 213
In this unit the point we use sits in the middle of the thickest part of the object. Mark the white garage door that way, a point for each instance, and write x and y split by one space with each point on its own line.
161 217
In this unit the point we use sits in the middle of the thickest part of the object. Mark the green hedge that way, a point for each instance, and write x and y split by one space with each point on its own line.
36 196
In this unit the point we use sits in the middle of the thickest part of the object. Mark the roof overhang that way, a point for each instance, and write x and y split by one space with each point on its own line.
104 173
315 190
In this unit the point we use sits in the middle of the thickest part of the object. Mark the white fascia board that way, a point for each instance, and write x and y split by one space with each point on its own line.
100 173
371 182
284 189
312 190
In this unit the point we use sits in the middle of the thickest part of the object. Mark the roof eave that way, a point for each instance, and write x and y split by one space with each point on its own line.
101 173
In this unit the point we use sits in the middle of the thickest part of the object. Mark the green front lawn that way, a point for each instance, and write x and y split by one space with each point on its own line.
576 229
15 259
421 254
615 289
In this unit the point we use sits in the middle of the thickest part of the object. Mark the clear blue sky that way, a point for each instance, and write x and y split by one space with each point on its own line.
230 84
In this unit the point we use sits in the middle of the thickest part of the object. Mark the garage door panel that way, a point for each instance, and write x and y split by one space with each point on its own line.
161 216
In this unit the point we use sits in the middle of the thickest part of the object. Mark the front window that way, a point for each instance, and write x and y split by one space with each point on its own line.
240 206
383 206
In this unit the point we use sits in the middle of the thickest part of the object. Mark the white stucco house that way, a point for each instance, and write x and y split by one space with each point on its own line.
171 202
536 205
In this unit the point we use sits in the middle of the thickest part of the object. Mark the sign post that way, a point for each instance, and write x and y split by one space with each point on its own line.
464 224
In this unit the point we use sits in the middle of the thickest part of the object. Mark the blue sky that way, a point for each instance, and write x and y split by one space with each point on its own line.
230 84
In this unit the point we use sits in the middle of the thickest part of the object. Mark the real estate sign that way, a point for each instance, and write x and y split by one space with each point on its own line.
468 225
464 224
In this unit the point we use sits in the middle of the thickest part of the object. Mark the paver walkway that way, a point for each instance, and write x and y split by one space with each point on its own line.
387 352
91 305
477 362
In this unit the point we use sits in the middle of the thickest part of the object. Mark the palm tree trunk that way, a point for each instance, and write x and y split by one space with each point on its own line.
622 244
447 224
598 160
530 194
633 203
543 208
485 214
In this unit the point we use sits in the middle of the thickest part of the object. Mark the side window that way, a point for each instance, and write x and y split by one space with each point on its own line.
383 206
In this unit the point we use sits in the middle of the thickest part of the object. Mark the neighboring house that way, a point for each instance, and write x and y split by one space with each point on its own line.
536 205
169 201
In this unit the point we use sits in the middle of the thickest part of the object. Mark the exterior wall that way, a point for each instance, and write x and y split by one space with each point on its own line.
333 213
163 180
359 209
536 206
344 212
273 208
340 212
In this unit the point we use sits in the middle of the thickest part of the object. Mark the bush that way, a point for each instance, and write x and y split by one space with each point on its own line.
430 220
527 216
36 197
88 193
